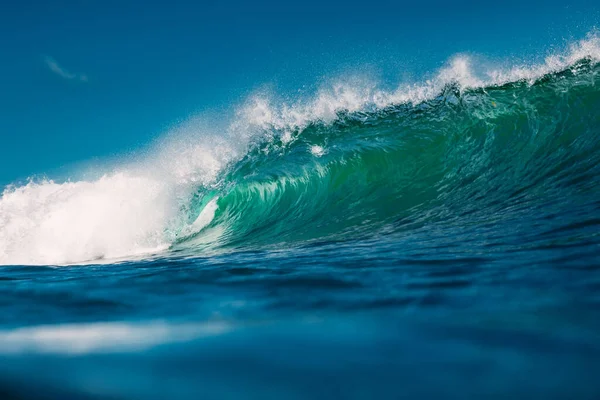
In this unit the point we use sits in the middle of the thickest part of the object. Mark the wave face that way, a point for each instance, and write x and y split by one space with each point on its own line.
514 152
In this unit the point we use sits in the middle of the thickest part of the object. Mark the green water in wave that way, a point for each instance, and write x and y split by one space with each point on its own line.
465 153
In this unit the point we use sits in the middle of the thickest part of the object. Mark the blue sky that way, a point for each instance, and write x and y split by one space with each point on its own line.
89 79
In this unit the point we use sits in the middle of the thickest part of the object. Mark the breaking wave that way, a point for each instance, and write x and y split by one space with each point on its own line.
353 161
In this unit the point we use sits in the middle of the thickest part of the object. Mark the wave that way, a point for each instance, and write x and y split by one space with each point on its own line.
353 161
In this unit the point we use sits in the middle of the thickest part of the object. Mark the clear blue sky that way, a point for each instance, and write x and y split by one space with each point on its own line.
85 79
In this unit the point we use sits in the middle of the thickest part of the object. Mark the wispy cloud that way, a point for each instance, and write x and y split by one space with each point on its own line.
62 72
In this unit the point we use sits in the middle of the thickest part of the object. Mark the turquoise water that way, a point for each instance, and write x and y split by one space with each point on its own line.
438 240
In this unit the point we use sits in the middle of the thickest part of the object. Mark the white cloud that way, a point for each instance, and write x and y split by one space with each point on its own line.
63 73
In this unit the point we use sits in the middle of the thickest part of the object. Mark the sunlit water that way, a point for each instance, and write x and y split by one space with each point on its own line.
440 240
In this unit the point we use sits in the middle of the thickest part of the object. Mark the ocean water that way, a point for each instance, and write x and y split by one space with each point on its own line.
437 240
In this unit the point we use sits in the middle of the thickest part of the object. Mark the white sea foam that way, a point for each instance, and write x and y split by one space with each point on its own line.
317 150
116 216
135 208
103 337
131 211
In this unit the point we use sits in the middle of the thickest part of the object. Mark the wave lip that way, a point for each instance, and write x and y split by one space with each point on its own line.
359 96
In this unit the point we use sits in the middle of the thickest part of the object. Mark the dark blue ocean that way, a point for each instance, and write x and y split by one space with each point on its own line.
438 240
